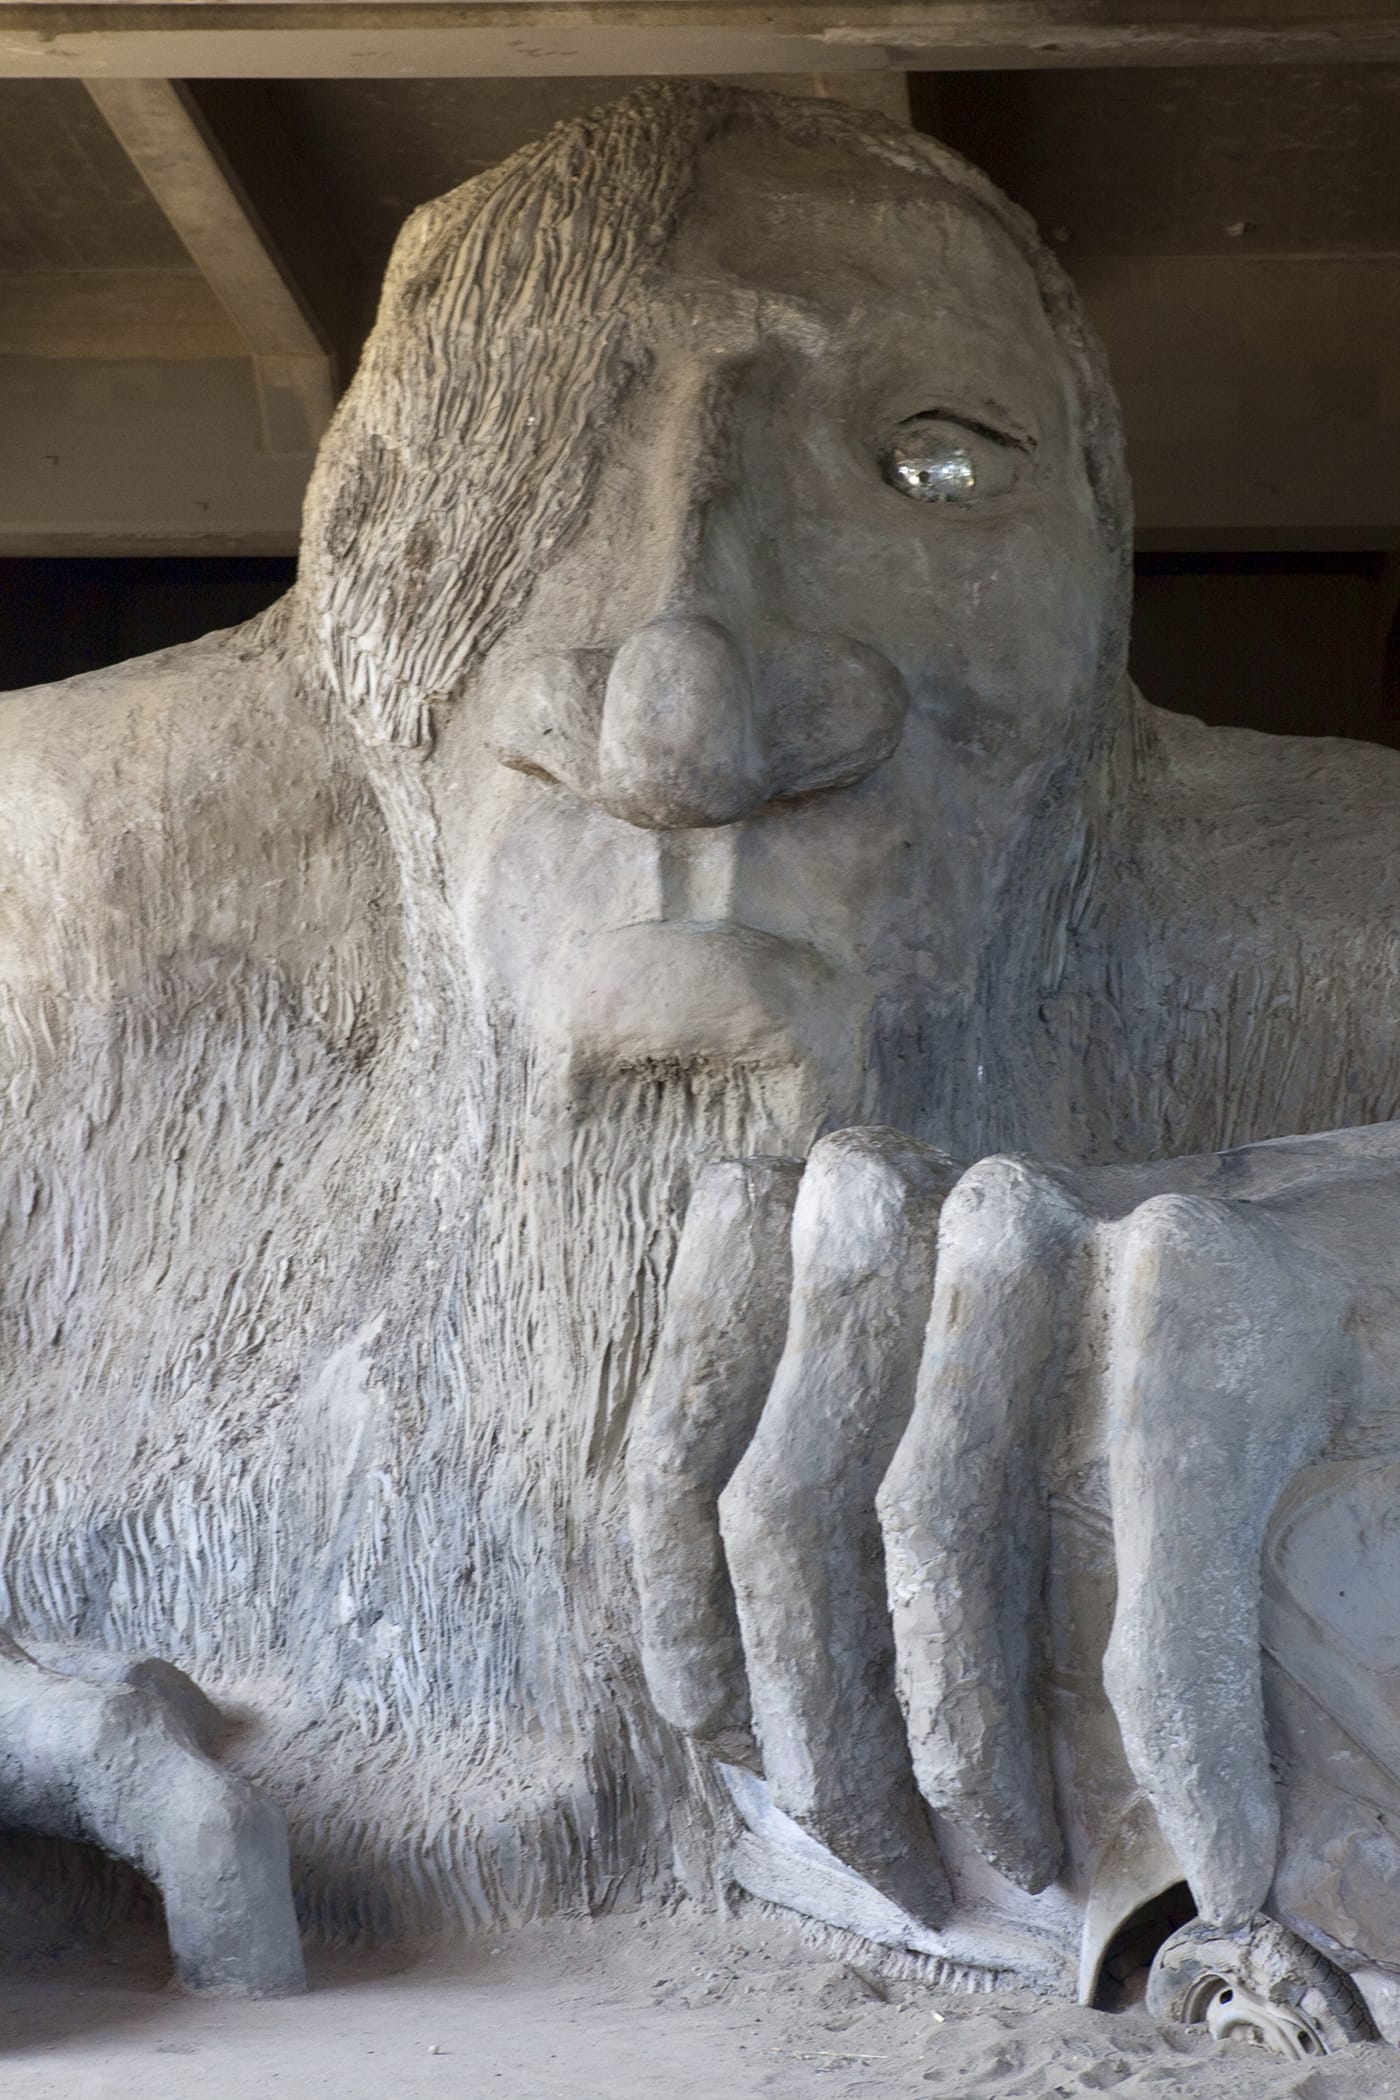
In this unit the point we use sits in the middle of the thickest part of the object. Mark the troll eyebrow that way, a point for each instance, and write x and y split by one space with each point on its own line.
732 325
980 412
961 370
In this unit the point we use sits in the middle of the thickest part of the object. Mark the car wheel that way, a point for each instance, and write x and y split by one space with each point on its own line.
1261 1984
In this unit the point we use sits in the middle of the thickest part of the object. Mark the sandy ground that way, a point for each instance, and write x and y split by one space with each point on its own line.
680 2007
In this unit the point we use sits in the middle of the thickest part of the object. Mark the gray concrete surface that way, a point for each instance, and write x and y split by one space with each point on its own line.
647 770
127 1763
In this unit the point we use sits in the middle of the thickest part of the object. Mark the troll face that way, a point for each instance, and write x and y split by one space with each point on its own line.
732 499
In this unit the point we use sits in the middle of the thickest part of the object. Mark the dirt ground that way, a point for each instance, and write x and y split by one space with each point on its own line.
680 2007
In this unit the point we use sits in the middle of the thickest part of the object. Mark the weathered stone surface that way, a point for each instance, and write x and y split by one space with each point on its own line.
647 773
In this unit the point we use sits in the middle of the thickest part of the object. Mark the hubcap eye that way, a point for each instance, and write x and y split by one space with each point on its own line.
940 459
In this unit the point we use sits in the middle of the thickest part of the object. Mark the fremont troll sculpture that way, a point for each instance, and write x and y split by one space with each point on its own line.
696 770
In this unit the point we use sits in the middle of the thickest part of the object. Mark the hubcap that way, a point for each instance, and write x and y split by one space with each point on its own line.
1234 2013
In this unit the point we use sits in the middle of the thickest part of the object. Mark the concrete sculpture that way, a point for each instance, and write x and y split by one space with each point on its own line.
125 1757
700 733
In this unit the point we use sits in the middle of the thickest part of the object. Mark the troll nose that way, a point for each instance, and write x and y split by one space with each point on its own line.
679 745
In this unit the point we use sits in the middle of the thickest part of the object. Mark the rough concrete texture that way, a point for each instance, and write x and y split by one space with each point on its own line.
644 774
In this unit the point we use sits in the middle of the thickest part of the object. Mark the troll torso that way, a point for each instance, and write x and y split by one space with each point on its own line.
317 1358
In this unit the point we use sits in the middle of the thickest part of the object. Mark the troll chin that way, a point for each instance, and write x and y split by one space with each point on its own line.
695 995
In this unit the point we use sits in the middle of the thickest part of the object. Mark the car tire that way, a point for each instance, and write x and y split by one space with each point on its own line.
1261 1984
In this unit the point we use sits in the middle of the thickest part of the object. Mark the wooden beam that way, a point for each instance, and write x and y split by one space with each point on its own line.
208 39
160 130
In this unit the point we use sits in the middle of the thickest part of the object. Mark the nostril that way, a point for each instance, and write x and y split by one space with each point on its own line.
679 745
545 715
836 709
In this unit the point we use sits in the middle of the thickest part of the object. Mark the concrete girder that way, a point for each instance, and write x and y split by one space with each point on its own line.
159 128
207 39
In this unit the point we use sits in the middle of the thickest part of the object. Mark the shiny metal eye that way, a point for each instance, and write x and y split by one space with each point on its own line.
937 460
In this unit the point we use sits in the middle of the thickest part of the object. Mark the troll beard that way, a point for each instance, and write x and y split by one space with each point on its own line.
485 1747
